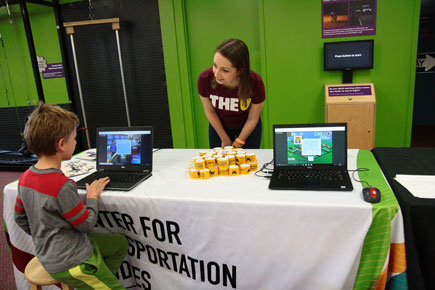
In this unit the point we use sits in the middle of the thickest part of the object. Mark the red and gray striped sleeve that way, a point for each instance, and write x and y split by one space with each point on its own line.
19 206
20 216
82 217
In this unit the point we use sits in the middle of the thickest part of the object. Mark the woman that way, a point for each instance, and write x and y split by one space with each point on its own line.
232 96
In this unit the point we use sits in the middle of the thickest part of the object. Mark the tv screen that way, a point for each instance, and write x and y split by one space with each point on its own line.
348 55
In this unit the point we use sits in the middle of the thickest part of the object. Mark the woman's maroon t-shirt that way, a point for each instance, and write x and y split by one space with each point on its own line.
232 114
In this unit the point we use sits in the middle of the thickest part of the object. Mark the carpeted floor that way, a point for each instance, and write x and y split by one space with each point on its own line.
7 281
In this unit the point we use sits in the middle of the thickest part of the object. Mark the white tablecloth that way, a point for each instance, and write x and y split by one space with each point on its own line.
227 232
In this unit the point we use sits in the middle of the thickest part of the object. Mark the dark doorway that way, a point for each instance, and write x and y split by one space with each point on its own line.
423 124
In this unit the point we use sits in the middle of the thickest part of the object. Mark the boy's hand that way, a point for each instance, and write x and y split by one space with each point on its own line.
97 186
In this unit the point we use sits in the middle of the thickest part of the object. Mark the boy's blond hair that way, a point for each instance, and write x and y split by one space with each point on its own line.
48 124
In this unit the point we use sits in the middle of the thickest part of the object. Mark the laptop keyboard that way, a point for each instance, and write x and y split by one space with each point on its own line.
115 177
312 174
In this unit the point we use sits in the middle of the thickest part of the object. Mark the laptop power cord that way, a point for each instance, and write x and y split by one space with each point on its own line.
265 170
364 183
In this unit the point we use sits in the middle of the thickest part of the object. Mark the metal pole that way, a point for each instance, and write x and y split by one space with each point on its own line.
80 90
58 19
122 79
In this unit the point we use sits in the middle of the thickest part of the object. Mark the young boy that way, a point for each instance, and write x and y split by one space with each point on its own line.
49 208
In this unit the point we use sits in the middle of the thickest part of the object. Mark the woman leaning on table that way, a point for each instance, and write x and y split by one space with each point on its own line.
232 96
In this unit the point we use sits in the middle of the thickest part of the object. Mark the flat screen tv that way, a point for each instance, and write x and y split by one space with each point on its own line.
348 56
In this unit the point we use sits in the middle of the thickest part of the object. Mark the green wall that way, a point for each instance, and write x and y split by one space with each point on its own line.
16 66
286 46
284 39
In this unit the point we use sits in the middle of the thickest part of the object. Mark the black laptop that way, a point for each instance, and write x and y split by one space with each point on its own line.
125 155
310 157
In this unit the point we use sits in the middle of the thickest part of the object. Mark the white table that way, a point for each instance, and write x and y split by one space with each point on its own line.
229 232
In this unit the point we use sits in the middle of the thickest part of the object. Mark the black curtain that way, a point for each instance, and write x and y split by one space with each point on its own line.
99 67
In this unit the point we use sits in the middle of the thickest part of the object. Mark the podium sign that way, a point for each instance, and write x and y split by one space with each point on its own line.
354 104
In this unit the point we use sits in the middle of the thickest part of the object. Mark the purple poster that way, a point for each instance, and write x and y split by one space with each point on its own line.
348 18
345 91
53 70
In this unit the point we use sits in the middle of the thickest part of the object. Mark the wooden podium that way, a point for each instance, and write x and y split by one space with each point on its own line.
354 104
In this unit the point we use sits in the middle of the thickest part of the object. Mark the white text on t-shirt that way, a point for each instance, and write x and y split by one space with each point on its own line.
227 104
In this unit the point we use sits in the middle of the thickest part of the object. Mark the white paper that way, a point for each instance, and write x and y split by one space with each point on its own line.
88 155
418 185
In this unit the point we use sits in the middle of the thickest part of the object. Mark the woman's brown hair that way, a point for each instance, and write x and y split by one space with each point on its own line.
236 51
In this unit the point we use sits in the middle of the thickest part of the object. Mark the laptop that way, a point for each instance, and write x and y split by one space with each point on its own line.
125 155
310 157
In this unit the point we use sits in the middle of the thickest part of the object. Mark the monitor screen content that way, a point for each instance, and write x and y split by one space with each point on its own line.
310 146
124 147
348 55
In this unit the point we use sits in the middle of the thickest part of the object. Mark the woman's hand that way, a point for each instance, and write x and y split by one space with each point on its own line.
215 122
237 144
226 142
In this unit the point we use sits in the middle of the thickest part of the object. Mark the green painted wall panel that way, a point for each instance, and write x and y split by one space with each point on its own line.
47 45
17 86
294 60
177 74
208 23
15 58
295 66
286 48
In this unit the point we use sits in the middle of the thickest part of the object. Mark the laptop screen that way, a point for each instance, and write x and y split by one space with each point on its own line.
128 148
310 145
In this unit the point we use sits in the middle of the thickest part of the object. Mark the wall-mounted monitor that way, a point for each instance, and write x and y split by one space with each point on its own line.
348 56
